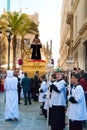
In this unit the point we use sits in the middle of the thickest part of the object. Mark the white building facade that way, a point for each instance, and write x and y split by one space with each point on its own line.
74 36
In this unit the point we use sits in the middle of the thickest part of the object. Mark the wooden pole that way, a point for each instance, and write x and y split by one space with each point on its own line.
48 98
69 90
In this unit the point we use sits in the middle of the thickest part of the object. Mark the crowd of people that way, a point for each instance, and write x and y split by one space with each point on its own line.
56 99
17 83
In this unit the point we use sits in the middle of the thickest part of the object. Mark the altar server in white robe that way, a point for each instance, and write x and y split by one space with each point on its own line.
11 105
77 111
42 93
58 101
48 104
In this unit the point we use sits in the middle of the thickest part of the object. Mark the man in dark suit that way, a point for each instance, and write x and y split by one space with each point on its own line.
36 86
26 84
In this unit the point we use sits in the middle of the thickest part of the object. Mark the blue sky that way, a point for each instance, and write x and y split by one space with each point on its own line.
49 17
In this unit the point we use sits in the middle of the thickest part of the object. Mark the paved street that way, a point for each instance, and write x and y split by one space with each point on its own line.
30 119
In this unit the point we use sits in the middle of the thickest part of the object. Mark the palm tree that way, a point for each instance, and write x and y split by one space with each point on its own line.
28 27
3 27
20 24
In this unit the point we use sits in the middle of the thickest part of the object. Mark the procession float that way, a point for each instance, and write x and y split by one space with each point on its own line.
31 63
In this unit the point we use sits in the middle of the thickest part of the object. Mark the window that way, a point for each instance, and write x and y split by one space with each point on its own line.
85 9
72 2
75 25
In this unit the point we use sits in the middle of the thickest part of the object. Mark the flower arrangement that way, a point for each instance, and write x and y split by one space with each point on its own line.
36 60
20 62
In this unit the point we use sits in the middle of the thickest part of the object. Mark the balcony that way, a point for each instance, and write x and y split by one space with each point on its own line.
69 18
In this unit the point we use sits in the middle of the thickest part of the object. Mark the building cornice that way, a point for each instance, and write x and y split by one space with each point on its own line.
76 43
75 5
80 36
83 28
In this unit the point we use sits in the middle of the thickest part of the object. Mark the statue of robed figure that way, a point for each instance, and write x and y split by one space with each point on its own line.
35 46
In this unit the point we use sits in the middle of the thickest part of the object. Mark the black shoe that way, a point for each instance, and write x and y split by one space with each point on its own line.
8 120
35 99
25 104
15 119
19 103
41 113
30 103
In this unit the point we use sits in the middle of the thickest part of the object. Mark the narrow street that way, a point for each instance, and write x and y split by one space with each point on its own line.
30 119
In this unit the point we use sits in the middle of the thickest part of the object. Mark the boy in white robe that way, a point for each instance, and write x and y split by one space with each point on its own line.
11 106
42 93
58 102
76 112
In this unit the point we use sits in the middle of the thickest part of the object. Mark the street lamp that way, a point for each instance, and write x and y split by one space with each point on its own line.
9 40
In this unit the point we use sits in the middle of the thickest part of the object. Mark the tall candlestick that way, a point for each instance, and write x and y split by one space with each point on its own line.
50 44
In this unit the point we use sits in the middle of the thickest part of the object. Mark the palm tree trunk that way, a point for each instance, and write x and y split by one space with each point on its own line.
14 51
22 47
